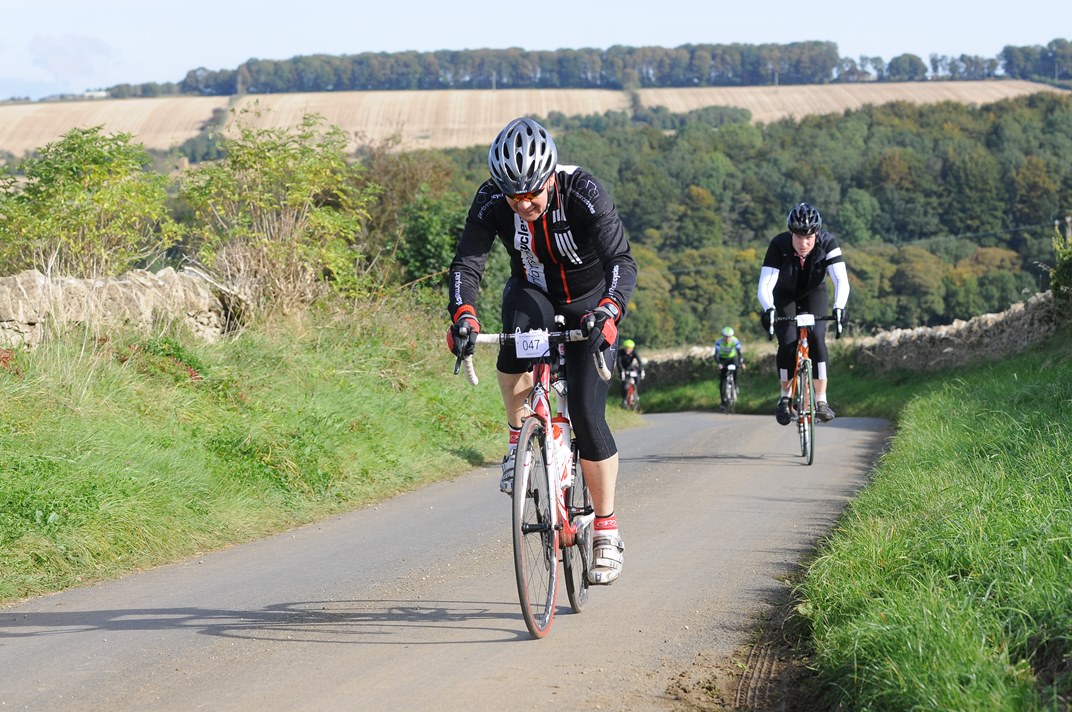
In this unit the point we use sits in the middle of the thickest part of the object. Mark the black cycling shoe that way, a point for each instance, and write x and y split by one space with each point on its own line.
823 413
784 415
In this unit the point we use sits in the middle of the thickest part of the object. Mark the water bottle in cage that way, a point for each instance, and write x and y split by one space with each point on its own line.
563 449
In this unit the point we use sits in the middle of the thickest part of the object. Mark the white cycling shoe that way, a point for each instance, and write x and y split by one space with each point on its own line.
506 483
607 559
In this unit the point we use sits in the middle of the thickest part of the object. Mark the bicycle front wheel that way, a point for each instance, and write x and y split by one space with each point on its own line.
535 538
576 559
731 393
806 412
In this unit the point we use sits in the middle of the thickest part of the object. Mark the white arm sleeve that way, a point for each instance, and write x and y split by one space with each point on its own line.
840 275
768 277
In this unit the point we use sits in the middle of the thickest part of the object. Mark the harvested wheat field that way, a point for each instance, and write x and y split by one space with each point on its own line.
431 119
769 104
158 123
453 119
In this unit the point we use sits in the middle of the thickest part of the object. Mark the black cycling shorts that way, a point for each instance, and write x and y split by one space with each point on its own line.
525 306
814 302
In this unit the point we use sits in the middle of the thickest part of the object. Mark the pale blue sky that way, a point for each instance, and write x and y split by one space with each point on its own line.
60 46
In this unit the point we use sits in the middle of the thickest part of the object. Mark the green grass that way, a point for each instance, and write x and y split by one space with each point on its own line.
123 453
126 453
947 583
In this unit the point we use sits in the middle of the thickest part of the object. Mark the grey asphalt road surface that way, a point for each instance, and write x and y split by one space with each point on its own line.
412 605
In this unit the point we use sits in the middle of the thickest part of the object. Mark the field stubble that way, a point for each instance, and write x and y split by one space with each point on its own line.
457 118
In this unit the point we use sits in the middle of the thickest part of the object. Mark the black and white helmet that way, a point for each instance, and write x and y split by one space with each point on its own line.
804 220
522 157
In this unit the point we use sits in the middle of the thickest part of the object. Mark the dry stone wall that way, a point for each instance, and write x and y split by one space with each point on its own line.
32 303
986 337
989 337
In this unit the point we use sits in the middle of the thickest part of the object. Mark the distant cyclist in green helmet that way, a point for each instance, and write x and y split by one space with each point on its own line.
728 350
630 371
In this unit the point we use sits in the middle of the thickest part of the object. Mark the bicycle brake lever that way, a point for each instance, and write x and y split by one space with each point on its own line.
601 365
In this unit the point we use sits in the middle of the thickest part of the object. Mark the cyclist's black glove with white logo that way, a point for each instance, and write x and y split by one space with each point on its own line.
839 322
461 337
601 325
768 321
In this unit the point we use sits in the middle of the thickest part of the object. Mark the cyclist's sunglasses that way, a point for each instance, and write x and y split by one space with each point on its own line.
529 196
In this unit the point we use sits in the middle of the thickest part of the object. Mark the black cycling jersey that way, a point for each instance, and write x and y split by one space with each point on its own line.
800 286
576 250
630 362
795 279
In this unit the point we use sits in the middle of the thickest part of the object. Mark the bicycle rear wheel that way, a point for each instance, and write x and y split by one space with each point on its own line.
731 393
577 558
806 412
535 539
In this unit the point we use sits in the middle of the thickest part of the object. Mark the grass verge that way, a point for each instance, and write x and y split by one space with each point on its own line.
125 452
946 583
122 453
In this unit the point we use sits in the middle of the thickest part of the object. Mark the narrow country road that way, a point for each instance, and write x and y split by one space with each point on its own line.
411 605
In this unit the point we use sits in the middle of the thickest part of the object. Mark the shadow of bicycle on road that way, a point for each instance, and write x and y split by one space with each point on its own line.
364 622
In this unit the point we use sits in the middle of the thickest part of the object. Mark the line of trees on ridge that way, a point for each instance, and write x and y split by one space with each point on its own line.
618 68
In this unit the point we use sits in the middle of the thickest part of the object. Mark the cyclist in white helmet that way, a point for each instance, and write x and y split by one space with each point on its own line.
569 256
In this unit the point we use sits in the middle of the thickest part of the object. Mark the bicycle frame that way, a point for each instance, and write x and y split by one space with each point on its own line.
561 470
632 381
802 394
801 387
552 509
537 344
729 387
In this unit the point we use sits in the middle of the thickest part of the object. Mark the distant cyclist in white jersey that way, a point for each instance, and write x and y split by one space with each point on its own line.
792 280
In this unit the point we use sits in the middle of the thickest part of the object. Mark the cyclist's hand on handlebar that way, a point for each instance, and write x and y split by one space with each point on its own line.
461 337
839 322
768 321
601 325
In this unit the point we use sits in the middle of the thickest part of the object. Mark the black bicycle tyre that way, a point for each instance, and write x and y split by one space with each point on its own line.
535 540
798 404
806 414
731 393
576 559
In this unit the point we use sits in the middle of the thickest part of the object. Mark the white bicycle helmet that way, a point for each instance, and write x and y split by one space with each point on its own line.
522 157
